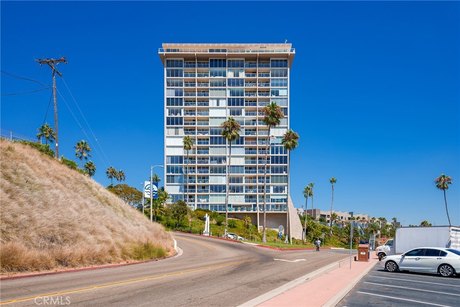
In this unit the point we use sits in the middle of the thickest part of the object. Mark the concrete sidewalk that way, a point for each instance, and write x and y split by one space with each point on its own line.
325 287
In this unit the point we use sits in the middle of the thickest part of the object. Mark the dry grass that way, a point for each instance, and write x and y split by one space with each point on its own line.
52 217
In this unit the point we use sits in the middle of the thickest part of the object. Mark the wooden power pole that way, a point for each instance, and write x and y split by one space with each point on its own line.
52 64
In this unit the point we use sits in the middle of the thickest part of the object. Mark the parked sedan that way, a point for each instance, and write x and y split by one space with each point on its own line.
443 261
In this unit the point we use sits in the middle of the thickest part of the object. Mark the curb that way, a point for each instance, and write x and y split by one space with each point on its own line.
296 282
342 293
178 252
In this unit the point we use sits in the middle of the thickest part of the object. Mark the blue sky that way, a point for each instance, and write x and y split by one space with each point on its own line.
375 92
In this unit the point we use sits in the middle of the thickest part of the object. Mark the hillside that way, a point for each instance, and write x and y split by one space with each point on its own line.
52 216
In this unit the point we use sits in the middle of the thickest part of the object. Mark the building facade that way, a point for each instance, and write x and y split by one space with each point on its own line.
204 85
340 218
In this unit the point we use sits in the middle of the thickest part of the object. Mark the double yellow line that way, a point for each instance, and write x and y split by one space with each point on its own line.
123 282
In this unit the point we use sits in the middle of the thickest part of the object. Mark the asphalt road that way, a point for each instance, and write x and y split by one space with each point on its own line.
380 288
210 272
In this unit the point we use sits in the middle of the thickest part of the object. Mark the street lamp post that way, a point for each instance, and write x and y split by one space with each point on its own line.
351 234
151 190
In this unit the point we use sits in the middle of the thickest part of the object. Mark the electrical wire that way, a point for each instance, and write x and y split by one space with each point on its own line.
84 119
48 108
24 78
81 127
26 92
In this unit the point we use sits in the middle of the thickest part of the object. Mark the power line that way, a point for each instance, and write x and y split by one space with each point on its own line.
80 125
104 156
47 109
26 92
24 78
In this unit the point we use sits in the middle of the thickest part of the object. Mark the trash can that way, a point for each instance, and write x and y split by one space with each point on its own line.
363 252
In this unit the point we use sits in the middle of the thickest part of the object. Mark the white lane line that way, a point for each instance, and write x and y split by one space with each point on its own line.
286 260
402 299
414 289
416 281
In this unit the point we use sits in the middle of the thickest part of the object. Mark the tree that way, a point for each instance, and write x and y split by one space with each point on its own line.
306 193
272 118
442 183
90 168
111 173
425 223
179 210
156 178
120 176
188 145
290 142
82 150
311 185
231 132
46 132
332 181
127 193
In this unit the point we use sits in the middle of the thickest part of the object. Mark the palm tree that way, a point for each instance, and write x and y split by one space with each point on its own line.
332 181
156 178
111 173
82 150
188 144
120 176
311 185
272 118
231 132
442 183
290 142
306 194
46 132
90 168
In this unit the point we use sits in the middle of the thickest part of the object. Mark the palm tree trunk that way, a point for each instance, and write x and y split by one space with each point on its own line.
305 221
447 211
288 235
264 232
186 179
332 204
228 185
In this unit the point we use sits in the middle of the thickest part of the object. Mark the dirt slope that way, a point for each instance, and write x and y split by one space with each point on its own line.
52 216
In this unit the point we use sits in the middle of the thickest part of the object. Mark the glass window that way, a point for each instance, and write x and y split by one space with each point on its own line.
217 83
174 169
279 73
236 112
235 82
217 170
174 159
455 251
236 92
432 252
174 121
235 102
217 63
278 92
278 82
174 102
217 188
217 140
217 72
175 73
174 63
236 169
279 63
174 82
235 63
279 160
415 252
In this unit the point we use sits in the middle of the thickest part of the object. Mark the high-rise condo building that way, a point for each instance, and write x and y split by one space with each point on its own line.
204 85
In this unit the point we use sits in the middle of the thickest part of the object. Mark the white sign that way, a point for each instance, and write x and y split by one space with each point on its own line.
147 189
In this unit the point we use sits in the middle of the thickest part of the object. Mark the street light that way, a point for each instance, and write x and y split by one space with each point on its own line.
151 190
351 234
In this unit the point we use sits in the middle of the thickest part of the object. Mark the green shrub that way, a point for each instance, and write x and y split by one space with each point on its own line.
146 251
44 148
232 223
69 163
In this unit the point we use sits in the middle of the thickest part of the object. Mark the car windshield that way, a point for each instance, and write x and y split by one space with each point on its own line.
455 251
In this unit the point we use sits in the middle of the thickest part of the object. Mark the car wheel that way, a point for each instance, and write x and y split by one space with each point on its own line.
381 255
446 270
391 266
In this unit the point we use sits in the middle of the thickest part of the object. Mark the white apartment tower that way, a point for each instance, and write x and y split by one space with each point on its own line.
204 84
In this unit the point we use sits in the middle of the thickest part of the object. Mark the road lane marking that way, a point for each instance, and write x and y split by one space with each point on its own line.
122 282
286 260
417 281
407 288
402 299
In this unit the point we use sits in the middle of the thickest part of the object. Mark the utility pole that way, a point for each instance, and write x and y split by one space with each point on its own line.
52 64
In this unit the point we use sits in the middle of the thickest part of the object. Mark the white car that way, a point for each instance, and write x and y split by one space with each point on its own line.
435 260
